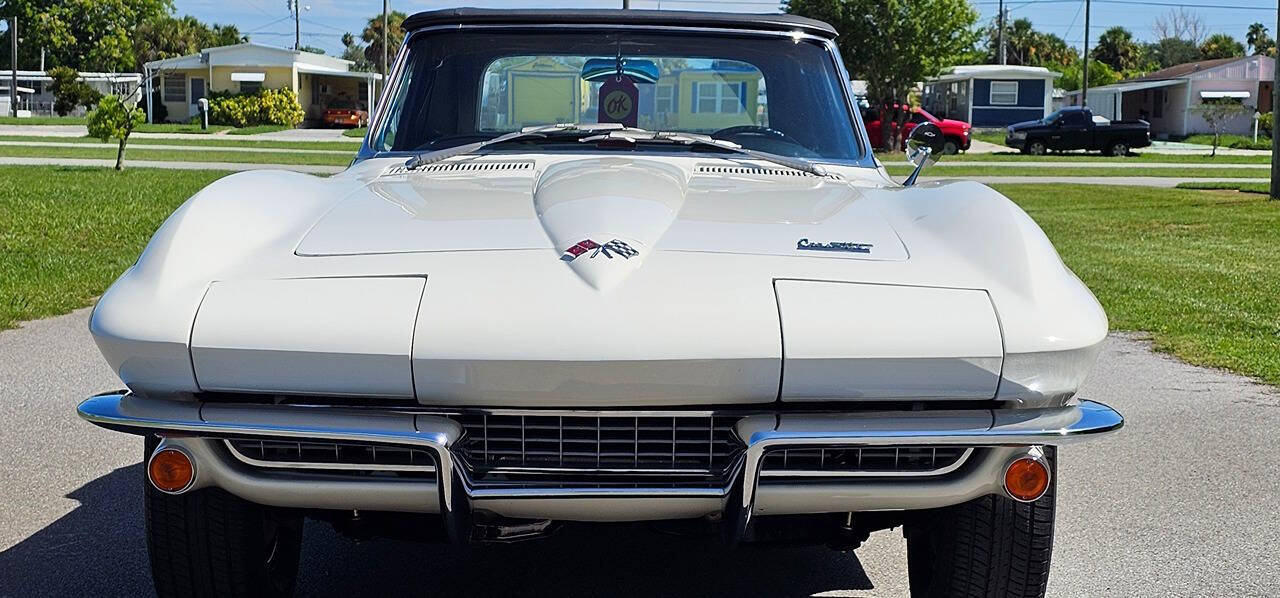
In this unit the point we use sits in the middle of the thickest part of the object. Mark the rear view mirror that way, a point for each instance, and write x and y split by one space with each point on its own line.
924 145
640 71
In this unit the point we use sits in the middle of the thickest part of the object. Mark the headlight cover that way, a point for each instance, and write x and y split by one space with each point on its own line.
1017 135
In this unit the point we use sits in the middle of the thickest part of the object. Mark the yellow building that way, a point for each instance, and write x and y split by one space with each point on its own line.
246 68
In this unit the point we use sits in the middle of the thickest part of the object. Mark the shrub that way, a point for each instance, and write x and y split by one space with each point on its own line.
267 107
69 91
1264 123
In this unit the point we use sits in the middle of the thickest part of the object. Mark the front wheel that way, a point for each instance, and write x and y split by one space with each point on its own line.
1037 148
950 147
989 547
1118 148
209 543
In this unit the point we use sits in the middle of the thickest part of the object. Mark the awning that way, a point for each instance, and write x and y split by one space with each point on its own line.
320 70
1132 86
259 77
1217 95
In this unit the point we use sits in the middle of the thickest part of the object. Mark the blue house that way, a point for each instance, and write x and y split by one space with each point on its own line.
990 95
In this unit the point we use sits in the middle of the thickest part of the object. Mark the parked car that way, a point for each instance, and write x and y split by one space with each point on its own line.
486 327
955 132
1076 128
346 112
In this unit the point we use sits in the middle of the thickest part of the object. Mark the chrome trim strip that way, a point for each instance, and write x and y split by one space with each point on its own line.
247 460
798 473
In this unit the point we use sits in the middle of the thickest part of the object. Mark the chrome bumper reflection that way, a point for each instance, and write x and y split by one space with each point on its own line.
449 492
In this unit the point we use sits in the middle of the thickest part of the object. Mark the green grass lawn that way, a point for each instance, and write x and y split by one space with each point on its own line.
179 128
43 120
1263 188
177 154
219 141
254 130
996 137
1237 141
970 171
1095 157
358 132
1196 269
66 233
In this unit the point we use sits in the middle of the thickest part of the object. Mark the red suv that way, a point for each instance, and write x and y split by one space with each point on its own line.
956 132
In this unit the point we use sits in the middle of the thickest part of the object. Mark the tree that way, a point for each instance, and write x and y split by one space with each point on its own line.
913 40
1258 41
1179 24
1099 74
1172 51
372 37
115 118
353 51
1117 49
90 35
1220 45
1026 46
1217 113
69 91
165 36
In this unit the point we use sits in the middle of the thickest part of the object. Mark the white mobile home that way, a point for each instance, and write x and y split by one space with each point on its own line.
1168 97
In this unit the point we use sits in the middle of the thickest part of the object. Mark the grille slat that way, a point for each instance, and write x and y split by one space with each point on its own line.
330 455
498 444
868 461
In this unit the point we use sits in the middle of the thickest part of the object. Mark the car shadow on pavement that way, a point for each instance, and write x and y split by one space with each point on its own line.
98 549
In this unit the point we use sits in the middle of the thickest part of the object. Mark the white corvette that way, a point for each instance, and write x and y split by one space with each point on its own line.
603 266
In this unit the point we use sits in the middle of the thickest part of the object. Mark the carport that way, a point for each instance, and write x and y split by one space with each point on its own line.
319 86
1161 103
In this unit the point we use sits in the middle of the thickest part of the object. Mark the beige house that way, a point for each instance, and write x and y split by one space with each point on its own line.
246 68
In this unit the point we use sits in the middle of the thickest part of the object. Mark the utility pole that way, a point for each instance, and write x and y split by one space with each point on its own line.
627 4
1275 136
385 37
297 26
13 65
1000 35
1084 79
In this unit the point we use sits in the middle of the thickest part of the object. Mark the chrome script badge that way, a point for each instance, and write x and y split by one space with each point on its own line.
807 245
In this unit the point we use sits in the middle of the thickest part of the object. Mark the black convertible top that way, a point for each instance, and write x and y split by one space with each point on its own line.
679 18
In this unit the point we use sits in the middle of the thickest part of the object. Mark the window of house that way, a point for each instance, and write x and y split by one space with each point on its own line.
723 98
664 99
250 86
1004 93
175 88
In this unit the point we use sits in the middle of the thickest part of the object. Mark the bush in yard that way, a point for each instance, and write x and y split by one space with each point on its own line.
1264 123
115 119
69 91
267 107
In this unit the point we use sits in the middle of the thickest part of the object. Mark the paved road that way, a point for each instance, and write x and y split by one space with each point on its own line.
1184 502
1157 147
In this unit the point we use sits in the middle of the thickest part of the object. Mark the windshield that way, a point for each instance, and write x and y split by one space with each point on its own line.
770 94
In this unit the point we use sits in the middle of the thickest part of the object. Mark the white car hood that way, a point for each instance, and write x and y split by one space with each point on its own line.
648 205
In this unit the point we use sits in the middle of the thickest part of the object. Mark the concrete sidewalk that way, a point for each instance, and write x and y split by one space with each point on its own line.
82 131
175 165
203 148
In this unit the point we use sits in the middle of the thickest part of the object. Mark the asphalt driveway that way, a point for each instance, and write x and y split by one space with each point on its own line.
1185 501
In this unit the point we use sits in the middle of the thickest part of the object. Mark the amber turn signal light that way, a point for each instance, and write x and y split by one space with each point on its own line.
171 470
1026 479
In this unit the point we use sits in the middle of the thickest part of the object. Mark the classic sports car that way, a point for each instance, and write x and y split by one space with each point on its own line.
596 266
345 112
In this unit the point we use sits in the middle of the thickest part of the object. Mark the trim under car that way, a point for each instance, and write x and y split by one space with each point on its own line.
193 424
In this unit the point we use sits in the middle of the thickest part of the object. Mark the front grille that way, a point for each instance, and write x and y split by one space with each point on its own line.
287 454
598 446
864 461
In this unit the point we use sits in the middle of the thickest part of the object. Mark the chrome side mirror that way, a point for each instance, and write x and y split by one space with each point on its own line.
924 146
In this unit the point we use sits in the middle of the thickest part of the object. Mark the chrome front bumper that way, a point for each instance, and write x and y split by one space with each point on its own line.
197 427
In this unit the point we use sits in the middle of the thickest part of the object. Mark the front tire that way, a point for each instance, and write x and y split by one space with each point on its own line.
1119 149
209 543
1037 148
989 547
950 147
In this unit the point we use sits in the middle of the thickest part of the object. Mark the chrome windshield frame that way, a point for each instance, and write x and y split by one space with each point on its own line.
866 159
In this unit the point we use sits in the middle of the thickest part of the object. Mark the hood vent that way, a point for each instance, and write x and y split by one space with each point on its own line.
756 170
467 166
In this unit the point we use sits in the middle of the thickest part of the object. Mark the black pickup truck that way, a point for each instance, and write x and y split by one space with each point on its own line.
1075 129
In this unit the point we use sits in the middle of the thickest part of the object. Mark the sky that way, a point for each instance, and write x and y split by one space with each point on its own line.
269 21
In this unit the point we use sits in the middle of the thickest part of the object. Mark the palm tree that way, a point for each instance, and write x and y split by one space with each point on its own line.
1117 49
1221 45
1258 40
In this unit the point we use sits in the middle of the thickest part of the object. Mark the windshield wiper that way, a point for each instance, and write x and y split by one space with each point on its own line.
570 130
676 137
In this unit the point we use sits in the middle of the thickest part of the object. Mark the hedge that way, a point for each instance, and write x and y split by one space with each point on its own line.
267 107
